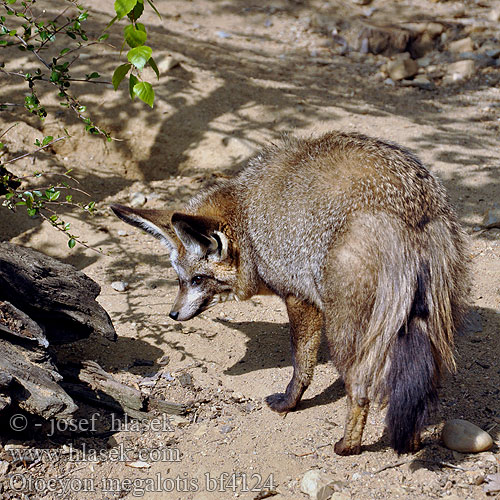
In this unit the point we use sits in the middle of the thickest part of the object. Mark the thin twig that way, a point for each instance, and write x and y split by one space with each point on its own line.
444 464
37 55
62 13
45 79
312 452
391 466
10 128
65 232
36 150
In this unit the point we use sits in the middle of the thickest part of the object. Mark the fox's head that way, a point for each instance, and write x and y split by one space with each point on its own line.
200 252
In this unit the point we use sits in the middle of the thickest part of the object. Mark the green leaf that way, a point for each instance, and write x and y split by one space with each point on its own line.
136 12
139 56
123 7
64 51
103 37
32 211
93 75
47 139
153 65
119 74
150 2
135 36
144 91
133 80
71 242
55 76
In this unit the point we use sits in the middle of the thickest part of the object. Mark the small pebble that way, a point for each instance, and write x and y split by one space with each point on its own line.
494 53
401 69
164 360
317 484
465 437
121 232
222 34
167 64
120 286
225 429
492 217
460 70
137 200
186 380
462 45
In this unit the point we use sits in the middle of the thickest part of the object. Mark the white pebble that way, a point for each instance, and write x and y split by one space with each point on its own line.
120 286
461 435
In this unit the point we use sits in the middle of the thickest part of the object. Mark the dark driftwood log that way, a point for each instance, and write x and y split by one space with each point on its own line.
42 301
56 295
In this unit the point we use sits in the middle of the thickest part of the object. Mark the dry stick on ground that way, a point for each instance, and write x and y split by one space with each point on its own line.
312 452
391 466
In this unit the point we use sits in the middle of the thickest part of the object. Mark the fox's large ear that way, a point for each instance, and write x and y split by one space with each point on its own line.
200 235
155 222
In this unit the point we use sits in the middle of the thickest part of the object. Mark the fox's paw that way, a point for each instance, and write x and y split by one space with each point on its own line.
342 449
280 402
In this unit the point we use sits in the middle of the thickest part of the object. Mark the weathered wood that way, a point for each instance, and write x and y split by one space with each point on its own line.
56 295
162 406
15 322
42 300
5 401
35 384
128 397
103 389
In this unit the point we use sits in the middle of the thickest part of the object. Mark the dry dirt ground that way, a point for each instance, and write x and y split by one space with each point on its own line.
248 72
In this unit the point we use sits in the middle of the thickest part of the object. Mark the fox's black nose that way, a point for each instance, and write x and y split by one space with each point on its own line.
174 314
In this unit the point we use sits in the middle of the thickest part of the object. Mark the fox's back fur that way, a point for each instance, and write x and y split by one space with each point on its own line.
361 231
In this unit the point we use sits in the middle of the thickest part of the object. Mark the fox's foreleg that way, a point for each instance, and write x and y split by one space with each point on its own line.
305 329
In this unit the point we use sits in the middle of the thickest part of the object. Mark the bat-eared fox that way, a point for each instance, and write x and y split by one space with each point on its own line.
359 239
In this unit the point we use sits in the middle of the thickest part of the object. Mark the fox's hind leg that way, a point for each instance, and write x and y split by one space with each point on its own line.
357 411
305 328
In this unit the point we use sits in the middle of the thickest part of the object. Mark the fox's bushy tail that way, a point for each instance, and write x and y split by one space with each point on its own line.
423 347
414 372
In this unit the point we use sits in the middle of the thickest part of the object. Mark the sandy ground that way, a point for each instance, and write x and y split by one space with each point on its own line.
247 73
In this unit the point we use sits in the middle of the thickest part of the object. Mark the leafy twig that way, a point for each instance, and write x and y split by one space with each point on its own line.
36 150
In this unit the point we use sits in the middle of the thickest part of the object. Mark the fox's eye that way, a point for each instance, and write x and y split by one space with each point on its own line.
196 280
